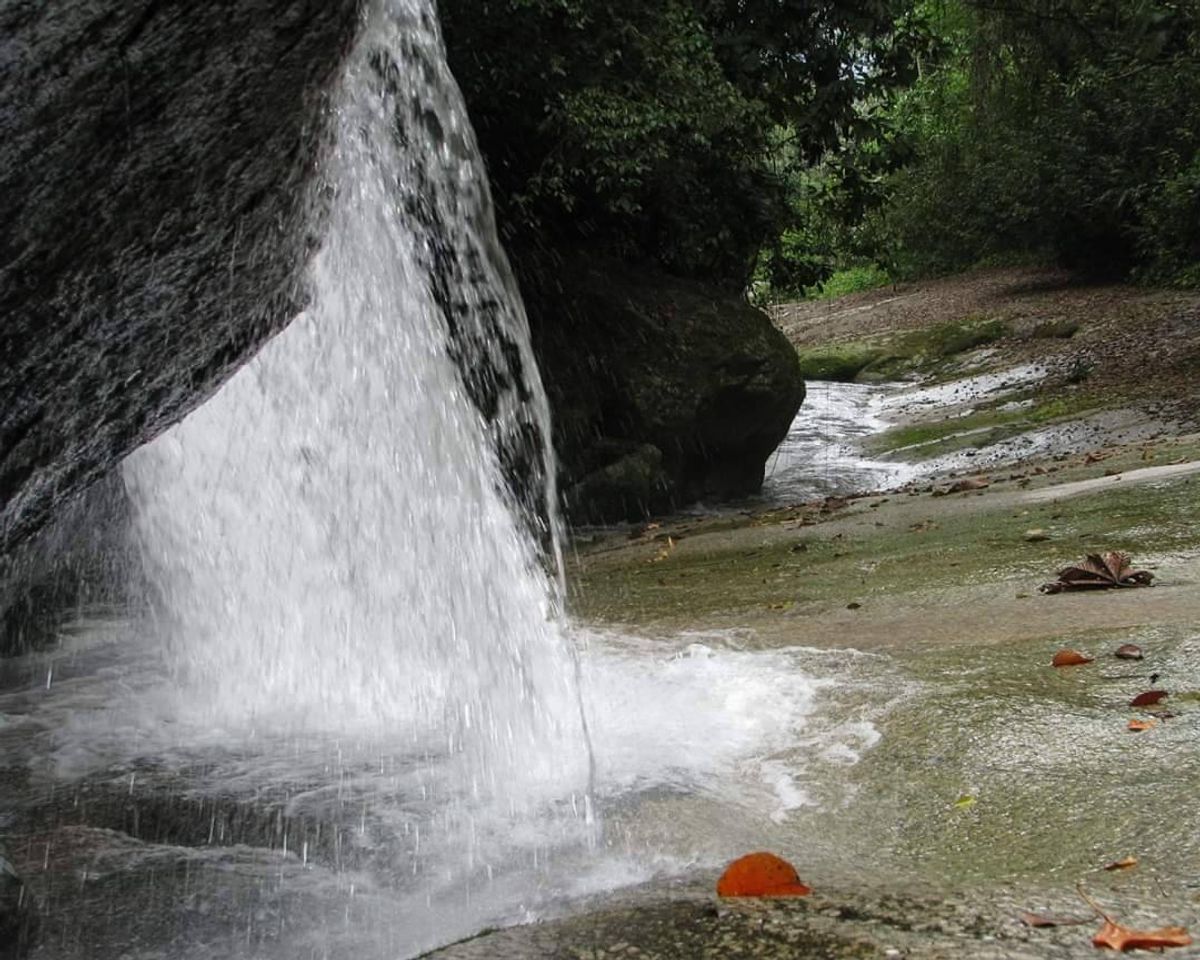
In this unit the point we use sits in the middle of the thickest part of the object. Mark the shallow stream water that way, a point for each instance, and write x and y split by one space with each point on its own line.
146 834
826 451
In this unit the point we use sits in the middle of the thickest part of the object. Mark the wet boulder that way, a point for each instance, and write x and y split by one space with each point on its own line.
664 390
155 166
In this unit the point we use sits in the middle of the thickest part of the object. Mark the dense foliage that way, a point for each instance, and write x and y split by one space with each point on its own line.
644 128
1057 130
871 139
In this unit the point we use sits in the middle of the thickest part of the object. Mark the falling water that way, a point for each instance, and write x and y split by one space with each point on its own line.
331 542
353 724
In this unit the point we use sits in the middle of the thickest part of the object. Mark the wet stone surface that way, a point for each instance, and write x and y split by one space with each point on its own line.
836 926
18 917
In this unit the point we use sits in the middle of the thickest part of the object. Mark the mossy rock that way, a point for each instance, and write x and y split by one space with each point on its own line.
892 358
838 361
636 360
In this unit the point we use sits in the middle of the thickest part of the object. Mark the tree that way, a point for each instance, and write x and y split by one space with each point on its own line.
642 128
1063 128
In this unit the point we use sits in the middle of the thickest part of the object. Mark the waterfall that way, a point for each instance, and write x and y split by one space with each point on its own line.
348 538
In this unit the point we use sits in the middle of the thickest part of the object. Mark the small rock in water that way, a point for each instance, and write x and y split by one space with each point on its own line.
1129 651
854 605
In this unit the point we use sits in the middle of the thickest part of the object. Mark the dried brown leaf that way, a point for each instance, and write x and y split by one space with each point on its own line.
1099 571
1115 936
1070 658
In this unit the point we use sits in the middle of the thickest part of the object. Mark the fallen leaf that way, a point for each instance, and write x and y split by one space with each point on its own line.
1149 698
1117 937
1129 651
1048 920
1099 571
1070 658
963 802
1137 726
761 875
1123 864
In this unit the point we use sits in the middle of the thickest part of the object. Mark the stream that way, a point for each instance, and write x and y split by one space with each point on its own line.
826 451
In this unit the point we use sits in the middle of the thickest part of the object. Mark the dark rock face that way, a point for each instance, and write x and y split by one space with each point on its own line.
155 159
18 919
664 390
80 558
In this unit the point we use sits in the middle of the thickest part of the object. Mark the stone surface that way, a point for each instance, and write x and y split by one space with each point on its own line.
81 558
154 160
18 919
664 391
846 924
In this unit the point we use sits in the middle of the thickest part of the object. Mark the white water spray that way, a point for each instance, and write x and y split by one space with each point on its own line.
329 538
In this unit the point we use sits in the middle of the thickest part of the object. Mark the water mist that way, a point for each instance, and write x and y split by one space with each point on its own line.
332 547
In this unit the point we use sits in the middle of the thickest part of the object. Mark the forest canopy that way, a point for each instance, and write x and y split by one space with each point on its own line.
646 128
789 141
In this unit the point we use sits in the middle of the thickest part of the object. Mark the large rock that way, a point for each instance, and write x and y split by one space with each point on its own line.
664 390
154 164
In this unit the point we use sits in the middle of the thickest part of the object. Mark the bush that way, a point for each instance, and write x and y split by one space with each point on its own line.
849 280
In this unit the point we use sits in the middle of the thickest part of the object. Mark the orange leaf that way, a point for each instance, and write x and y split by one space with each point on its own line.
1124 864
1116 937
761 875
1070 658
1137 726
1148 699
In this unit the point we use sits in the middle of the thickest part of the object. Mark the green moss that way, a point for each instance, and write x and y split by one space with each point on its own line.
919 434
706 577
1065 406
949 339
889 358
980 428
836 361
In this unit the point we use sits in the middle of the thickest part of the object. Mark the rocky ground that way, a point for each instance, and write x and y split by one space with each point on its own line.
1108 337
1000 783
